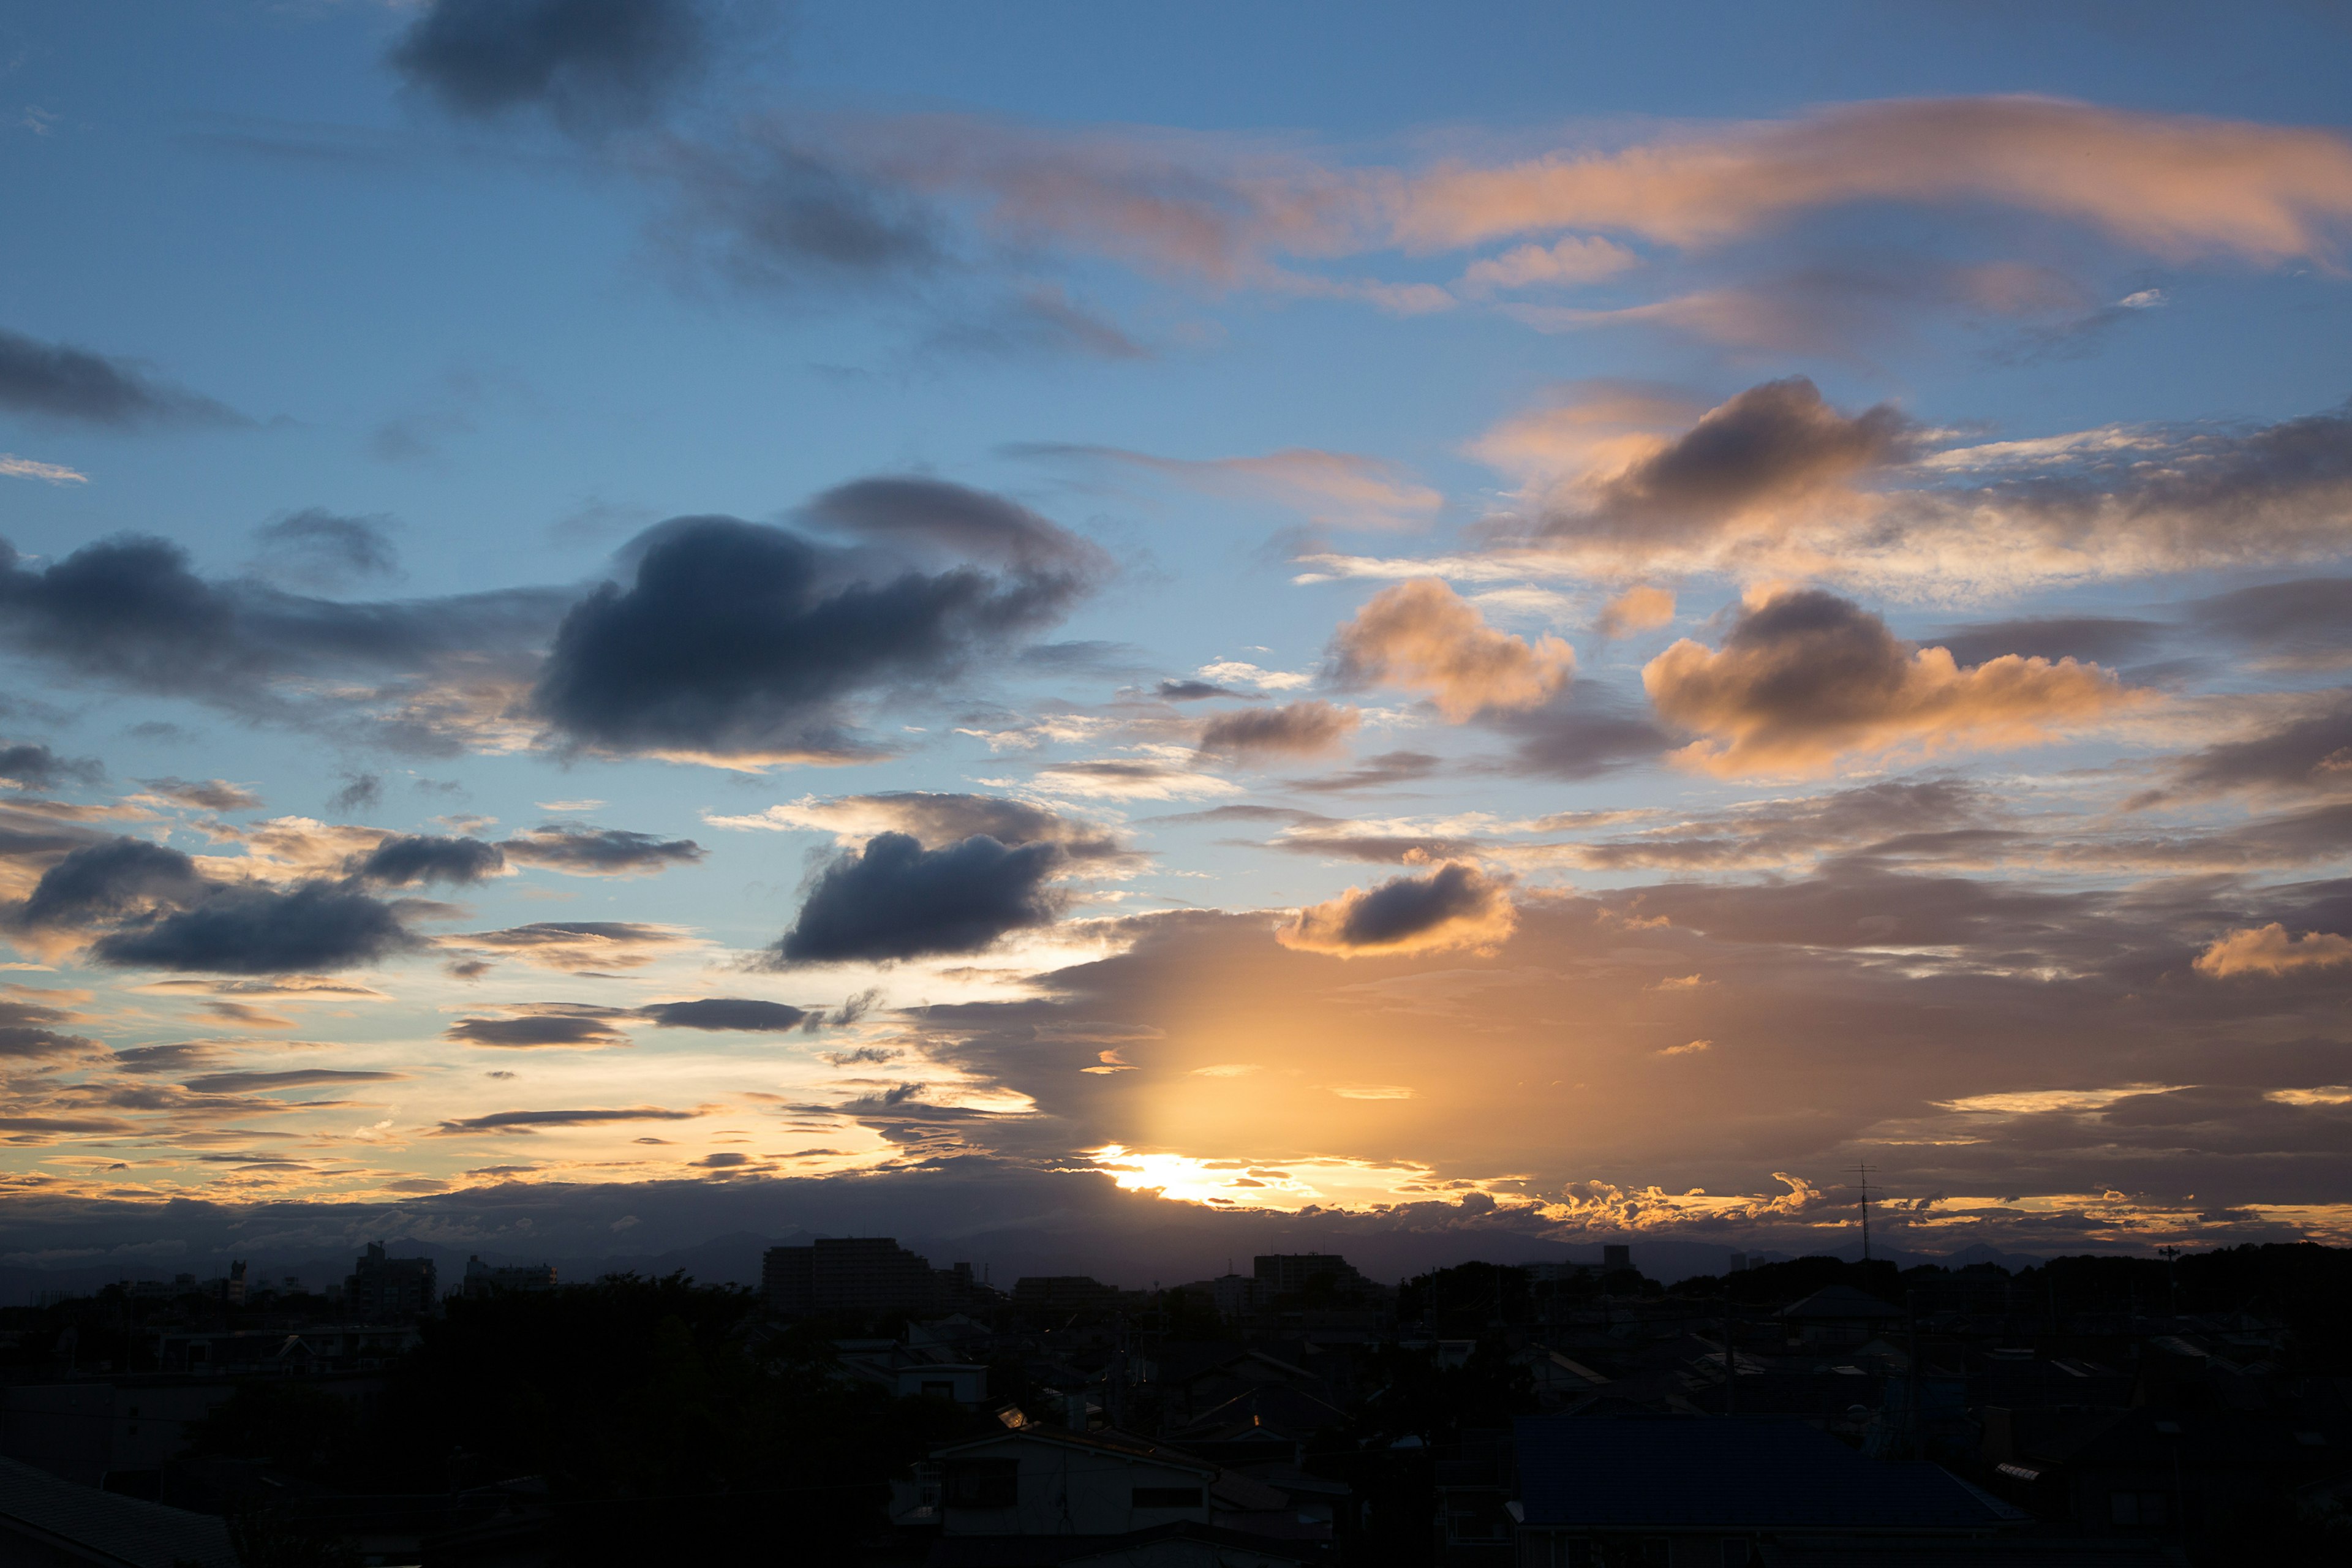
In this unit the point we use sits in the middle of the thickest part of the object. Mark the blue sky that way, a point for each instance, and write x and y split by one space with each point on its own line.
1786 560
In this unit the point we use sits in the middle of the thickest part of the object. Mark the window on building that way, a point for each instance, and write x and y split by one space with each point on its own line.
939 1391
1166 1496
981 1483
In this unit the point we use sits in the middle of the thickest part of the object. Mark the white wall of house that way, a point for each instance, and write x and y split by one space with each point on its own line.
1070 1489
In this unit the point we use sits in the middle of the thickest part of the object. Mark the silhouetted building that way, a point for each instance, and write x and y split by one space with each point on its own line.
481 1280
1058 1293
1287 1273
1617 1254
383 1289
848 1274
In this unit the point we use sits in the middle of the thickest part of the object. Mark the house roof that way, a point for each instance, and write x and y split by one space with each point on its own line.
1844 1303
107 1527
1074 1551
1906 1552
1731 1472
1124 1445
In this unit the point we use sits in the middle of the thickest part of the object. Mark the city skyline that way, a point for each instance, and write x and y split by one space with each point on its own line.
1522 628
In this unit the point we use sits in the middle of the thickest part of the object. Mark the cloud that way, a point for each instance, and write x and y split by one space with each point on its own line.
896 899
534 1031
318 550
58 381
585 851
531 1121
736 1014
2305 623
128 612
2105 640
743 642
1309 729
1193 690
579 946
205 794
2268 949
15 468
401 858
1419 635
1451 906
588 63
937 818
2179 187
299 1077
2310 753
1806 677
26 1033
1577 259
1750 464
1339 488
31 765
1377 772
1638 609
253 930
1119 778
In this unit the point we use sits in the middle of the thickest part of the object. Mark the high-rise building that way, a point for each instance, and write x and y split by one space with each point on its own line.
481 1280
847 1274
1286 1273
1616 1255
383 1289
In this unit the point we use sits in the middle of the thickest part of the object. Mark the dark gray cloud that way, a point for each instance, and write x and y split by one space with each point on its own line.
59 382
145 905
206 795
1307 728
108 882
525 1121
1406 907
747 640
774 210
128 611
25 1031
588 63
2307 755
1775 443
534 1031
405 857
1582 733
1041 319
319 550
314 926
939 817
296 1077
2100 640
587 851
1197 690
29 764
2310 618
1377 772
896 899
742 1014
578 947
361 792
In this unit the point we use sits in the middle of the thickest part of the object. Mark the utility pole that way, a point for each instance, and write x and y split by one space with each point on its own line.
2171 1256
1863 1171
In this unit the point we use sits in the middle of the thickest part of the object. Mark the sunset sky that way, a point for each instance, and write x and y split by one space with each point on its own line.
1508 622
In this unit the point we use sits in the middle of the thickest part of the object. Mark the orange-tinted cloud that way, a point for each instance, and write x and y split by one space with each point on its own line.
1452 906
2175 185
1420 635
1806 677
2268 949
1310 728
1640 608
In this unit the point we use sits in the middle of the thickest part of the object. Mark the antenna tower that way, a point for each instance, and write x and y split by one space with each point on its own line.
1863 1171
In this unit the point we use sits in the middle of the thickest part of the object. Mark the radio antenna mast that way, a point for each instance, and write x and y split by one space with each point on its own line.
1863 1171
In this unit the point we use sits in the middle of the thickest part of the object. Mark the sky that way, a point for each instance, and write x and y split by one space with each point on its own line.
1504 624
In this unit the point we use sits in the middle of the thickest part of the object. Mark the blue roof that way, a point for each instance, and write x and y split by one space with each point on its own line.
1735 1473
